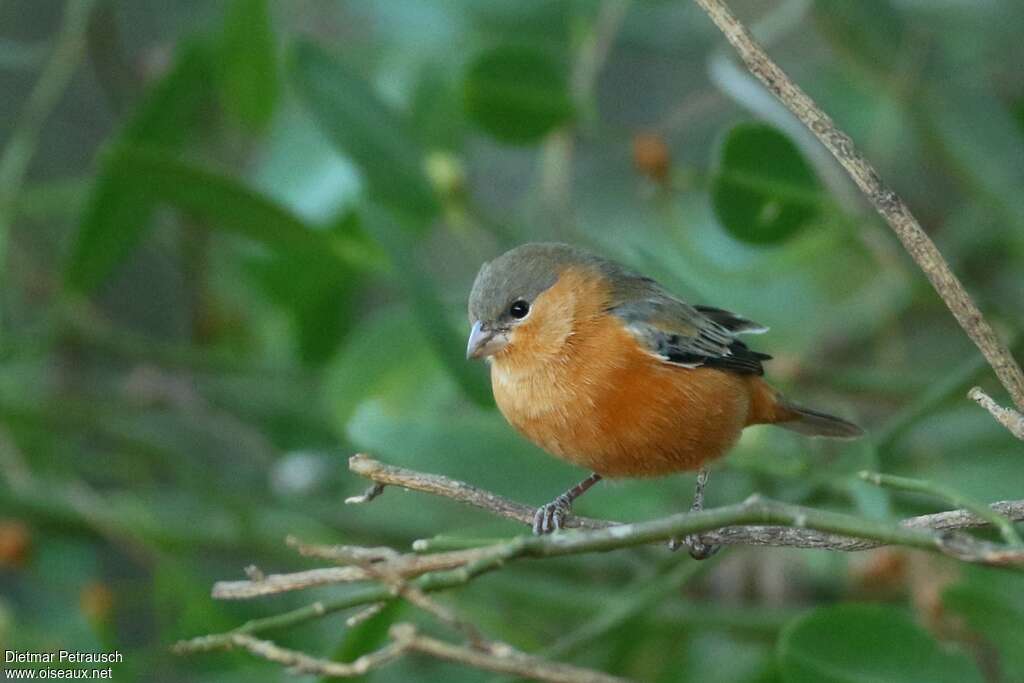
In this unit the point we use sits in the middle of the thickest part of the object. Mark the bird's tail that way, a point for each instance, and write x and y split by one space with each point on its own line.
770 407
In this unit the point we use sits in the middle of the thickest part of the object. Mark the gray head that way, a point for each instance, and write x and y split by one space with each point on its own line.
506 287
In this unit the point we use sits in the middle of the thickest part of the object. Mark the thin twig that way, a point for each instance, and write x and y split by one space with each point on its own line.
403 566
439 485
1008 417
490 656
498 657
888 204
747 535
953 497
297 661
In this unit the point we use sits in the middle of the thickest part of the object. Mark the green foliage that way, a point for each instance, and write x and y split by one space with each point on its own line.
365 129
249 80
244 253
992 603
763 191
854 643
516 94
117 214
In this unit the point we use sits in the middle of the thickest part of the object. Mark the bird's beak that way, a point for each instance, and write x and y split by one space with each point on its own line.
484 341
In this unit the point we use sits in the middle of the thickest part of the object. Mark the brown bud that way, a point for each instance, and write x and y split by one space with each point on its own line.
96 601
651 156
15 543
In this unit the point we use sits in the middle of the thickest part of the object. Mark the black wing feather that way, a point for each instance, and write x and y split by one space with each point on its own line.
685 335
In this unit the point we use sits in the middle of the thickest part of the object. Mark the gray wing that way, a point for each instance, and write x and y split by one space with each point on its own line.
681 334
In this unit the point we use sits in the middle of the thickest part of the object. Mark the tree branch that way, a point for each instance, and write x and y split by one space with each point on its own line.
980 510
804 537
888 204
488 656
410 576
1008 417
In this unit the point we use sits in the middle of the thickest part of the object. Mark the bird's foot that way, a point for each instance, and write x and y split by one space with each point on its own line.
699 550
549 518
695 545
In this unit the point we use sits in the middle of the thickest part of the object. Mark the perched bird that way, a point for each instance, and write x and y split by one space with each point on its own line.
603 367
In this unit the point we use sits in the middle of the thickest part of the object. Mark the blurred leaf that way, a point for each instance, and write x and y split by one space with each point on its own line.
437 115
249 77
112 224
222 199
138 179
992 602
365 129
517 94
315 290
535 20
427 305
763 190
116 216
974 127
169 110
858 642
871 32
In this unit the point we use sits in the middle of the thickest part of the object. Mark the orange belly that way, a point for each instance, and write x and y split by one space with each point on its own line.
606 405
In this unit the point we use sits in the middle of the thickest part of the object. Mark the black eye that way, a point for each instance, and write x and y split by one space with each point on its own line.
519 309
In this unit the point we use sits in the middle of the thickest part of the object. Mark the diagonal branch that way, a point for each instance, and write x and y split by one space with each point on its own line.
888 204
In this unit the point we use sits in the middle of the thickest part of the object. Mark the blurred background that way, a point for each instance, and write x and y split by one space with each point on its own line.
237 239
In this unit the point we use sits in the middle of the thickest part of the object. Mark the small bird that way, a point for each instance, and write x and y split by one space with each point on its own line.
603 367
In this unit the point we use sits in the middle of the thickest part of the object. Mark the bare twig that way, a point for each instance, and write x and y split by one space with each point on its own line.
888 204
953 497
403 566
1008 417
297 661
498 657
489 656
381 473
746 535
411 576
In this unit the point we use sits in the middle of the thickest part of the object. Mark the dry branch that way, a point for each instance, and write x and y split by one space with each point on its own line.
405 639
738 535
888 204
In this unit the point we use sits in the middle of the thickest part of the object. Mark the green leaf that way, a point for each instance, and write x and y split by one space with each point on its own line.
364 129
874 33
170 109
116 214
427 305
315 290
858 643
763 190
138 179
992 602
516 94
249 79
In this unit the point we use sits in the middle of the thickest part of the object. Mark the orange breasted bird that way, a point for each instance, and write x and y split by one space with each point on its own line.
606 369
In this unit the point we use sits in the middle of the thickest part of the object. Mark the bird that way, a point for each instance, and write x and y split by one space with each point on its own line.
605 368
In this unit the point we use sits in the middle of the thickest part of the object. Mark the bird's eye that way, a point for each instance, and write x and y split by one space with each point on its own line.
519 309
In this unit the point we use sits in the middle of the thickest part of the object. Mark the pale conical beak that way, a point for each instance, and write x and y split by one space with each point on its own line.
484 341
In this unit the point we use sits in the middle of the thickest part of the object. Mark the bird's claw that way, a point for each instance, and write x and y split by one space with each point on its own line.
695 545
549 518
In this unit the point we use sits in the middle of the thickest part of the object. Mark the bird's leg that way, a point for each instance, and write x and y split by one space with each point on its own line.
549 518
699 550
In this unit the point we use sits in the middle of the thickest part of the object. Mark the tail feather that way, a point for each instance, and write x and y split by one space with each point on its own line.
769 407
814 423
